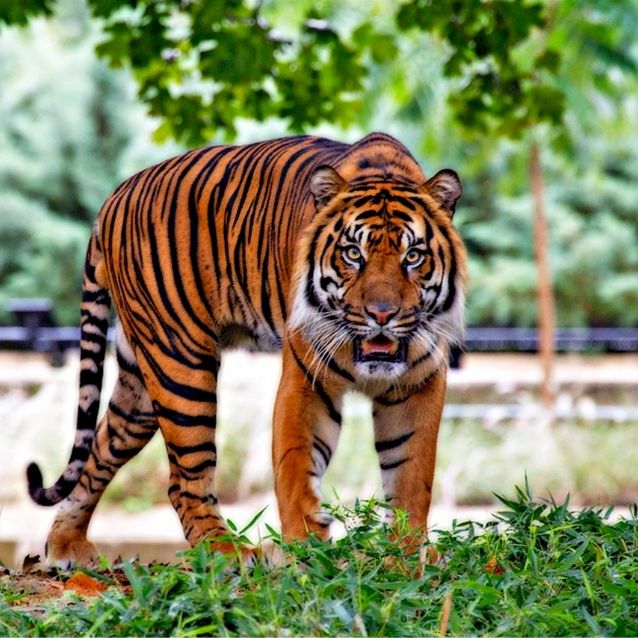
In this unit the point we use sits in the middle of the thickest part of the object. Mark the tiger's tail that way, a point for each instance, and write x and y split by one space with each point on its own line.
95 310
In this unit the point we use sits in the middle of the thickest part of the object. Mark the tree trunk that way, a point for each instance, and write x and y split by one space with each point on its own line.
546 312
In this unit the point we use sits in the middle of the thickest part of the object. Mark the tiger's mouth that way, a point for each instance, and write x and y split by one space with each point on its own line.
380 348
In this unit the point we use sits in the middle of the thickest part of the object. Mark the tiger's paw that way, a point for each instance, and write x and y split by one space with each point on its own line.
66 555
247 555
296 526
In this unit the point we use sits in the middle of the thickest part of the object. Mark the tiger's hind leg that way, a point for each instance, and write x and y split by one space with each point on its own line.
127 426
183 392
188 425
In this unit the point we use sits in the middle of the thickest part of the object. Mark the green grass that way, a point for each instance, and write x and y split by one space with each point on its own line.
536 569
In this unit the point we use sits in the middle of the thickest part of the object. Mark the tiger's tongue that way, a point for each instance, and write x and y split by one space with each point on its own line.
379 345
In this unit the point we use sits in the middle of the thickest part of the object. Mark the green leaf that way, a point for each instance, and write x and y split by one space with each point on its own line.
106 8
19 13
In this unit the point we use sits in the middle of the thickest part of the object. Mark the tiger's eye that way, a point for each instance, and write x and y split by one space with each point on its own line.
352 254
413 258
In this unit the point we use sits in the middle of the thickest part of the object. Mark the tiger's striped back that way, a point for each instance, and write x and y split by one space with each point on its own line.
219 231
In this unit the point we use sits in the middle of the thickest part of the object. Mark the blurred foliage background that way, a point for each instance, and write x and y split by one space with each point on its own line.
93 91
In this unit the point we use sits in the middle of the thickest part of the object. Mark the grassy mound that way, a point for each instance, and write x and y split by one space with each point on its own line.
536 569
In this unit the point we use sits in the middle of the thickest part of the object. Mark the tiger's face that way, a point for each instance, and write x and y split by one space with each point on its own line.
382 273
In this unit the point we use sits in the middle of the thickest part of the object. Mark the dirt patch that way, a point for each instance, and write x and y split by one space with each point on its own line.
35 587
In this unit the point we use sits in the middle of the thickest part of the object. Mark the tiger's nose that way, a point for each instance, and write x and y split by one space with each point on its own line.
381 312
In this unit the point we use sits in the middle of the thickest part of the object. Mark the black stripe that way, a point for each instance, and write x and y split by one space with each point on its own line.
184 420
191 393
171 226
387 402
323 448
138 418
80 453
198 468
382 446
99 296
404 201
182 450
93 337
366 215
426 356
209 498
332 411
127 366
391 466
333 365
88 318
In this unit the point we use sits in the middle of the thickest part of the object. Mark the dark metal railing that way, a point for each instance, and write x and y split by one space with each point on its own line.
37 331
567 339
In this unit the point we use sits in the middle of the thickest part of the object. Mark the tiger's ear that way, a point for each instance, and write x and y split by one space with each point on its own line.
325 183
445 187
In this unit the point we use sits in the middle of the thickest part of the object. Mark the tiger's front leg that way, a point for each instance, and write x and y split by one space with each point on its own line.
406 428
306 428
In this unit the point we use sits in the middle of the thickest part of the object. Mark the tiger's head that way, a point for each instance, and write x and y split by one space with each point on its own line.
380 273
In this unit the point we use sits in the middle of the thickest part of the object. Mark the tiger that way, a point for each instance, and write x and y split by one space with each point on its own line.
344 257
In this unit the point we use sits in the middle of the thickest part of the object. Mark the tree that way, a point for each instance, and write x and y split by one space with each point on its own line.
200 66
505 94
